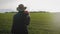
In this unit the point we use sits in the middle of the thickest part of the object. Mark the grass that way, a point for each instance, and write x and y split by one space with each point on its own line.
41 23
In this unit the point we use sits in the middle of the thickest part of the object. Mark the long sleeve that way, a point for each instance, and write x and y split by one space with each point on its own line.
27 20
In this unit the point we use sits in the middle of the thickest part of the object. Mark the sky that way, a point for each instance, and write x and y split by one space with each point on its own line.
32 5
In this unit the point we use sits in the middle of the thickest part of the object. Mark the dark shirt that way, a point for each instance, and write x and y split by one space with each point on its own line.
20 22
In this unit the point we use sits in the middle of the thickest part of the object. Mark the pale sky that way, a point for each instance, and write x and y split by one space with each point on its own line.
32 5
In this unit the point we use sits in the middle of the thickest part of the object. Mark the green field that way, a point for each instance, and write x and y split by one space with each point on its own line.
41 23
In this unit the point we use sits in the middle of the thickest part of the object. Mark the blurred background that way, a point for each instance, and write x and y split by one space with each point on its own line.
45 15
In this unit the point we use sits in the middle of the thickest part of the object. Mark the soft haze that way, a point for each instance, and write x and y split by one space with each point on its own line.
33 5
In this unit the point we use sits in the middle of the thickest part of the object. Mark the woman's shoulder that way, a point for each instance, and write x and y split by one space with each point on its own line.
26 12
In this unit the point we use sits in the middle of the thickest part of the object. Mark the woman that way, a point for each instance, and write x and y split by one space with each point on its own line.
20 21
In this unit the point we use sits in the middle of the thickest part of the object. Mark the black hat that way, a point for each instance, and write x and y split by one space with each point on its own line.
22 5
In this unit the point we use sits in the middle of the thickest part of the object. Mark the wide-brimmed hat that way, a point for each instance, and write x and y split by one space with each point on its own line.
21 5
